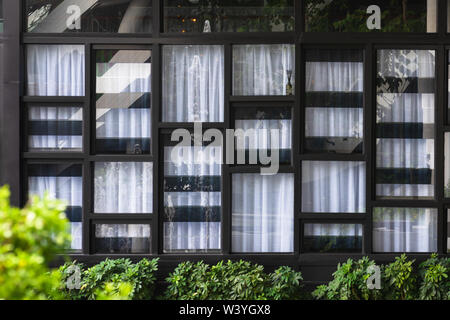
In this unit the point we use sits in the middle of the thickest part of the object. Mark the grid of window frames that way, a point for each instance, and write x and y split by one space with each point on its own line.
359 122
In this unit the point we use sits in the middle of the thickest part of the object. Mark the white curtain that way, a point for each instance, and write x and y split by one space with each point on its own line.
57 141
333 186
123 187
262 213
55 70
193 83
122 238
405 230
180 232
260 70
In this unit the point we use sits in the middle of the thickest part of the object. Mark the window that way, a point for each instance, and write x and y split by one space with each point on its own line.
55 70
61 181
334 101
448 231
405 124
263 70
193 84
353 15
405 230
263 213
333 187
447 165
58 16
55 128
332 238
123 98
188 16
122 238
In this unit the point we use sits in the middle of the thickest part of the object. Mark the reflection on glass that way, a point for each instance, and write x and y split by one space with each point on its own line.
448 230
123 87
55 128
332 238
333 187
262 213
334 101
405 124
447 165
353 16
122 238
228 16
110 16
192 199
123 187
405 230
64 182
1 16
257 125
263 70
193 83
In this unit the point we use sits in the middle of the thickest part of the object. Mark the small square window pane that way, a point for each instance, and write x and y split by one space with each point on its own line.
405 230
64 182
123 187
193 83
55 70
263 70
333 187
447 165
123 99
332 238
122 238
334 101
55 128
263 213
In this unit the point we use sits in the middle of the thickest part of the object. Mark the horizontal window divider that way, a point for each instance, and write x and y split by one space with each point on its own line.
54 161
330 217
54 155
404 203
257 169
120 218
262 99
263 104
190 125
446 128
359 38
332 259
79 101
121 158
121 47
332 157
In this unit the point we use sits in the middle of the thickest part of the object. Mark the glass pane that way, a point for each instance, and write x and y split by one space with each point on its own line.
263 70
333 187
334 101
55 128
405 124
193 83
448 231
371 15
332 238
2 20
228 16
263 213
123 100
405 230
258 136
123 187
113 16
122 238
447 165
192 199
55 70
64 182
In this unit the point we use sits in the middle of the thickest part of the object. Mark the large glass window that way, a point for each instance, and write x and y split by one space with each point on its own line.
122 238
263 213
263 70
193 83
110 16
334 101
405 230
228 16
371 15
64 182
405 124
123 99
332 238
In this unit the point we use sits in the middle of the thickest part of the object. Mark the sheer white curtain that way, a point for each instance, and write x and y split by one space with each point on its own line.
55 70
332 229
262 213
405 230
123 187
333 186
192 220
193 83
260 70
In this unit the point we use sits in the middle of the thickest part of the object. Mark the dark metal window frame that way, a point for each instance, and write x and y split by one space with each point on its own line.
16 159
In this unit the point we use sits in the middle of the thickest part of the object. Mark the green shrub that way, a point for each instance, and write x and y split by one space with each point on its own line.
434 279
349 282
29 240
240 280
400 282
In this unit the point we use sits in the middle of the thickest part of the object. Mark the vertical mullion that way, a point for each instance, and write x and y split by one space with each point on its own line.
299 16
297 144
157 12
